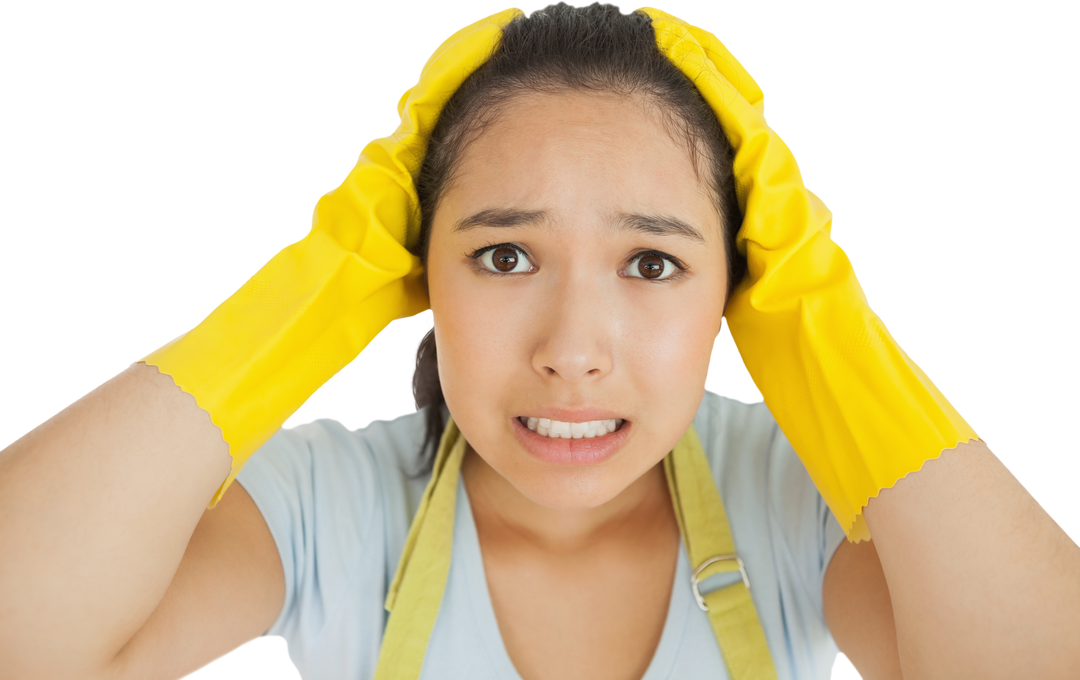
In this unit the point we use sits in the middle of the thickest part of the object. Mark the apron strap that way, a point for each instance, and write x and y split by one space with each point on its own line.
709 545
417 589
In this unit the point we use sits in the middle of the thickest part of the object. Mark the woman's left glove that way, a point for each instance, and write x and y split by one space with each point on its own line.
858 411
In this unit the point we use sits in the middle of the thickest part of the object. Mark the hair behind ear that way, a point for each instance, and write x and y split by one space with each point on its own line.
427 392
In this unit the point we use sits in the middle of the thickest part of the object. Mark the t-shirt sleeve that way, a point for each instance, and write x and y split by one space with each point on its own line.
805 526
317 490
804 537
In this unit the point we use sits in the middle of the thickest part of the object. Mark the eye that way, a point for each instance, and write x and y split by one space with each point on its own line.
507 258
500 259
657 267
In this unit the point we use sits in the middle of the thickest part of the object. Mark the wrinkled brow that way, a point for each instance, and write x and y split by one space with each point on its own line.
659 225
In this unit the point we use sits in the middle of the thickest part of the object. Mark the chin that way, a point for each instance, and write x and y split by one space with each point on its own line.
572 489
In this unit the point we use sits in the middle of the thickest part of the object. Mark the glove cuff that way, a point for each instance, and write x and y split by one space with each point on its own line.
305 315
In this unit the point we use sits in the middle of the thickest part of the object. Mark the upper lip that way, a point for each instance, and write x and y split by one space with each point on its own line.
571 415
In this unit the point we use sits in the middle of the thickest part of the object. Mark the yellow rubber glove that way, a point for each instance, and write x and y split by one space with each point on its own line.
311 309
858 411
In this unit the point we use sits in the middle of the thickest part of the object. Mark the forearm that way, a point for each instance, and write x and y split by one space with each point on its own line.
96 508
984 583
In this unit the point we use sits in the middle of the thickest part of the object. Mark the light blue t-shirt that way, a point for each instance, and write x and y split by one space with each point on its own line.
339 504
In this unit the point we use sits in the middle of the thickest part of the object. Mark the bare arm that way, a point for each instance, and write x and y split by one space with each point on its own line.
229 589
859 611
97 508
984 583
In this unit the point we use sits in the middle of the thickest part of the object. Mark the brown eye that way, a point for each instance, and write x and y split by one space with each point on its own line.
653 266
504 259
650 266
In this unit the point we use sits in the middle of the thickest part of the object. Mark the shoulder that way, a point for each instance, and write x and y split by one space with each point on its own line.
728 424
338 503
754 464
325 462
778 518
747 452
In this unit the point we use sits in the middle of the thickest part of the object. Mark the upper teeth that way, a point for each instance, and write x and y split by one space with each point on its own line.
557 429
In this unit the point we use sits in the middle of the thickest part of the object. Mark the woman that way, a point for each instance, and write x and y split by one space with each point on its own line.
595 319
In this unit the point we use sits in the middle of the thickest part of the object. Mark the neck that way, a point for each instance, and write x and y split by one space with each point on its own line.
497 504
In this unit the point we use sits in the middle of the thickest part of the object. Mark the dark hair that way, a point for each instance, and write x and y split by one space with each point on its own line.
560 49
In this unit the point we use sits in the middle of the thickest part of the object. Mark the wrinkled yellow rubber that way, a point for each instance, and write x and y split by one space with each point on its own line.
859 412
311 309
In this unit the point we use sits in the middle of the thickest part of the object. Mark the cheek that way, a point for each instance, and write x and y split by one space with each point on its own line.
666 346
479 335
471 332
490 334
660 339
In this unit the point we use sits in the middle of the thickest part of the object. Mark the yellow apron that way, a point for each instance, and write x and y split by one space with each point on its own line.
417 590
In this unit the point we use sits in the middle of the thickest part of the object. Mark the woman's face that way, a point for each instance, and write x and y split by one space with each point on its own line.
577 273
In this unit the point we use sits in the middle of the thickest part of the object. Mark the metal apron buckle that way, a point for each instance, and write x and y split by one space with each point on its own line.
695 581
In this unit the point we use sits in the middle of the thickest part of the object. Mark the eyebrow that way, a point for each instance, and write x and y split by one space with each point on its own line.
658 225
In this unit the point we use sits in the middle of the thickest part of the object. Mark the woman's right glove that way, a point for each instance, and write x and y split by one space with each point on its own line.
311 309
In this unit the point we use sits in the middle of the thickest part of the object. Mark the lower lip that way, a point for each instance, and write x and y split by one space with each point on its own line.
571 451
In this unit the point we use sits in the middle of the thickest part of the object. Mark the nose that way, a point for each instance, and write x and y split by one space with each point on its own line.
576 341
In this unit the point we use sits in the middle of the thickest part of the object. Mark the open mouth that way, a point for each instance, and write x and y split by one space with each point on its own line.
557 442
557 429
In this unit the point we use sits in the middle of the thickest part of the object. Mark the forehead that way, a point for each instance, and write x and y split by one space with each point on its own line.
565 153
603 134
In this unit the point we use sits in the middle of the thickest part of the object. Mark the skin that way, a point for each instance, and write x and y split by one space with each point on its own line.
576 333
112 568
956 542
